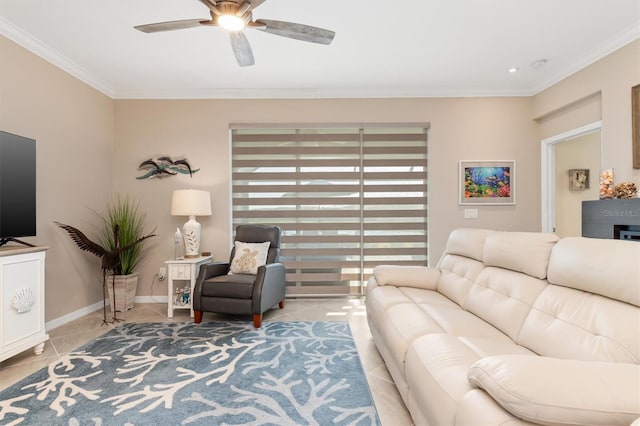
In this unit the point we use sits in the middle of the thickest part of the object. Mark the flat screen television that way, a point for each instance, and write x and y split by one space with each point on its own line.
17 188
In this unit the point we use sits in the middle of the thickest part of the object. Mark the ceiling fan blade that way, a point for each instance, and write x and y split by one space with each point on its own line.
254 3
211 5
171 25
296 31
241 48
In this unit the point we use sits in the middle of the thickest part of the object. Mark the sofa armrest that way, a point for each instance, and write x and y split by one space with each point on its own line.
561 391
425 277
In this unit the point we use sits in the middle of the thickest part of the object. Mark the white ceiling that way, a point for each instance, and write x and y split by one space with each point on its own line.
406 48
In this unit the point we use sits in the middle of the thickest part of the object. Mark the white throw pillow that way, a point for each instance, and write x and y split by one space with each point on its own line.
249 257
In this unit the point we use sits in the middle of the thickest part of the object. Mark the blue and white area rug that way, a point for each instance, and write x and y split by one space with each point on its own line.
285 373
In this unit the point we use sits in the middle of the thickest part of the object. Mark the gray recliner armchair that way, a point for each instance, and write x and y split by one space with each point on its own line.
243 294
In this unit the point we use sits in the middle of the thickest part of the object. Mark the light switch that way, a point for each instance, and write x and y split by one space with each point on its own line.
470 213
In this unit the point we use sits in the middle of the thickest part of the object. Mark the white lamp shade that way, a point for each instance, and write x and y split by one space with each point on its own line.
191 202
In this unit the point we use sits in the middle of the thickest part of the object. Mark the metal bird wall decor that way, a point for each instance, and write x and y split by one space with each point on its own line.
164 166
110 259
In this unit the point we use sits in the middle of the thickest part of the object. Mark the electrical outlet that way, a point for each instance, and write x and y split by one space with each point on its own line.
163 273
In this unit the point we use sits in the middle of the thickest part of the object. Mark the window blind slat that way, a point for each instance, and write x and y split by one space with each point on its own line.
318 251
393 213
242 177
294 189
293 150
288 213
321 202
277 138
297 162
391 162
312 264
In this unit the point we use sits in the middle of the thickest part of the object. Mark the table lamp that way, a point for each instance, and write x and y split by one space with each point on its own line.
192 203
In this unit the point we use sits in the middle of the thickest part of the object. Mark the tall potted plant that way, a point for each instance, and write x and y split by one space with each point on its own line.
126 213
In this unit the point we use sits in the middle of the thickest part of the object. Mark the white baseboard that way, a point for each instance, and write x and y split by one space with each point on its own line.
50 325
152 299
72 316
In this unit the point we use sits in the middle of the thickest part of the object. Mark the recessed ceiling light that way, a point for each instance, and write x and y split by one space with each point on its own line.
537 64
513 70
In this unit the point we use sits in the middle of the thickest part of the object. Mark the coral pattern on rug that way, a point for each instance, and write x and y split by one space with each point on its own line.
288 373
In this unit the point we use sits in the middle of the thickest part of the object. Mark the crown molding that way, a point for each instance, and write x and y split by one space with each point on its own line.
49 54
303 93
609 46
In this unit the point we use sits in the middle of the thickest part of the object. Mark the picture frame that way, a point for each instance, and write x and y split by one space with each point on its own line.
487 182
579 179
635 125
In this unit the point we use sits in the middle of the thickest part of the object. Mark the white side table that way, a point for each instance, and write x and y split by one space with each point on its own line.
183 270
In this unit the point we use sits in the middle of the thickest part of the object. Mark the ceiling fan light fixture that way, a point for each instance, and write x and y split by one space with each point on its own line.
231 22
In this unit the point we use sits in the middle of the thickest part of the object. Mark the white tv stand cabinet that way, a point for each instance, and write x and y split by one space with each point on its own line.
21 300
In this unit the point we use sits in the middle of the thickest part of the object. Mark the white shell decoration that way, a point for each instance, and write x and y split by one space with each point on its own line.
23 300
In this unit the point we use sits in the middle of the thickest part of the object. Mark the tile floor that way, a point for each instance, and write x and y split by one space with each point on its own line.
63 339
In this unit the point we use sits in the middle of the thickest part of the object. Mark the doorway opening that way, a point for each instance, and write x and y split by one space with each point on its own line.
550 172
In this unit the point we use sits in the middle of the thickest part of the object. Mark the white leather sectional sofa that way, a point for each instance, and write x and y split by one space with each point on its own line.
514 328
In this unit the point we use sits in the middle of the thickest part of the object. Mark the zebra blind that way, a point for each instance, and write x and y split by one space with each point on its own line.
347 199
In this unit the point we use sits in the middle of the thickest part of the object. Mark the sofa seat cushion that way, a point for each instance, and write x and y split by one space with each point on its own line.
380 299
491 347
437 366
477 408
402 315
460 323
237 286
554 391
395 321
403 324
421 297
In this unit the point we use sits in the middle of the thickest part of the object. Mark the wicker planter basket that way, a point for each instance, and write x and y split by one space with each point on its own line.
125 287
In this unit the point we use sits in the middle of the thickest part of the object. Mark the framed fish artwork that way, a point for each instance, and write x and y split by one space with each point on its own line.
487 182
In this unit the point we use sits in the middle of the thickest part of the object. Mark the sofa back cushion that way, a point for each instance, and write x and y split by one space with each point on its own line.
589 311
526 252
610 268
468 242
461 262
573 324
503 298
516 265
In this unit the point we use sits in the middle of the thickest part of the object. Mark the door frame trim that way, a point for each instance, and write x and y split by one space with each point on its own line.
548 175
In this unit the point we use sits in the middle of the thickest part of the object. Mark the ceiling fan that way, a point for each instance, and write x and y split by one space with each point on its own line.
235 16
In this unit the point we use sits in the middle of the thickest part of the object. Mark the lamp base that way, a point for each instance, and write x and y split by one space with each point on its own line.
191 232
191 256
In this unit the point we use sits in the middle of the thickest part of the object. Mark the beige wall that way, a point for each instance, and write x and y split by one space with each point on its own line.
599 91
73 128
461 129
89 145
